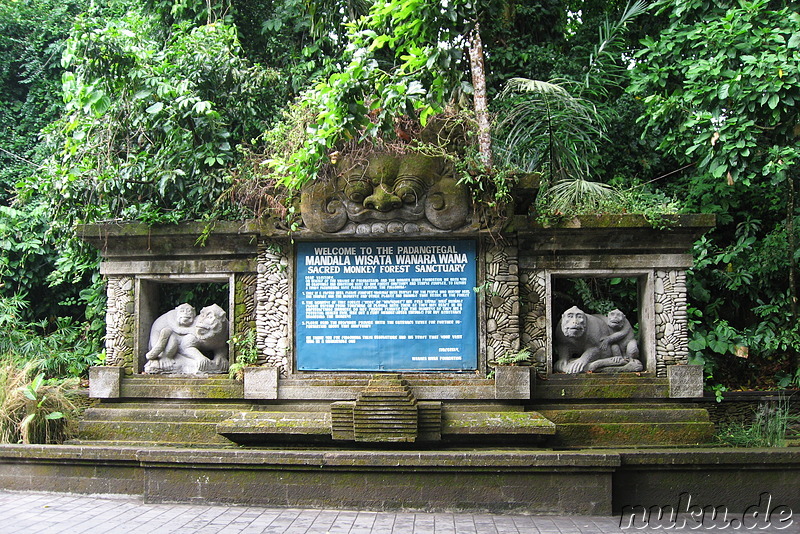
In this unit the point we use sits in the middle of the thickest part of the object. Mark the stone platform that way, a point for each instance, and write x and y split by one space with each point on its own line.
560 412
595 482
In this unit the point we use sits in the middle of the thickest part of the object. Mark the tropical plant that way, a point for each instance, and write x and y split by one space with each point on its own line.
32 409
515 358
721 86
246 351
59 349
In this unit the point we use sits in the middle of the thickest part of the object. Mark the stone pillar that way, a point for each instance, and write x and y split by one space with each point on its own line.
671 320
533 296
273 299
120 322
502 298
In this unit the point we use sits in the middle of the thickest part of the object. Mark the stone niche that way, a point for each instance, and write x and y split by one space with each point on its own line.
143 265
624 247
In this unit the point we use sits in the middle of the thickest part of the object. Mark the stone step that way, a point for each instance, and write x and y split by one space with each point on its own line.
625 415
158 387
595 386
579 435
496 423
195 433
162 413
620 424
265 427
145 444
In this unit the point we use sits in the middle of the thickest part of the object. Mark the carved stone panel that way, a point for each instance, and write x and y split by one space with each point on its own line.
501 290
387 194
120 322
533 296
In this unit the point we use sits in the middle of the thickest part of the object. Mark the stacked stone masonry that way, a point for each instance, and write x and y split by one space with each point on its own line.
120 322
273 297
245 305
502 298
534 317
671 320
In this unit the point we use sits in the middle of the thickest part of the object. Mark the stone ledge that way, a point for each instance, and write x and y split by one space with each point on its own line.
584 482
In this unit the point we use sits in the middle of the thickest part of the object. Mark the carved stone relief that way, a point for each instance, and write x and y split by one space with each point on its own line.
502 299
183 342
534 317
387 194
594 343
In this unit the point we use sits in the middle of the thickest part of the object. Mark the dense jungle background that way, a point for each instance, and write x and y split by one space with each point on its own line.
170 110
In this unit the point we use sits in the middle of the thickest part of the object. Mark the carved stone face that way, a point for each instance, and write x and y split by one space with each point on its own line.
211 323
616 319
573 322
185 315
386 193
387 187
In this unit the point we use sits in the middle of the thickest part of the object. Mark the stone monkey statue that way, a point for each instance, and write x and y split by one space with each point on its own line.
621 342
589 343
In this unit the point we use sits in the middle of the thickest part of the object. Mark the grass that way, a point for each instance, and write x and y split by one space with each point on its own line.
768 429
32 409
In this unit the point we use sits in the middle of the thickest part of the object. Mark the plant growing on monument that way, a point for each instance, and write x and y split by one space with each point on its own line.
552 129
515 358
246 351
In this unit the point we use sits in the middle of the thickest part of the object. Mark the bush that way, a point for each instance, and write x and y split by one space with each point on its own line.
32 409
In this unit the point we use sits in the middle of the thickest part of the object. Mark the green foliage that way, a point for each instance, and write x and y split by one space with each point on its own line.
32 409
767 430
402 58
548 129
728 86
720 85
150 125
61 348
31 40
515 358
246 351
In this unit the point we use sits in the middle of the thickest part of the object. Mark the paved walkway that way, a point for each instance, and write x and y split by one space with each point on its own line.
58 513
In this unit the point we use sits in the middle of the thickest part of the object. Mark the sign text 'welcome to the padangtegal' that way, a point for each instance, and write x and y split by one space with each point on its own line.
386 306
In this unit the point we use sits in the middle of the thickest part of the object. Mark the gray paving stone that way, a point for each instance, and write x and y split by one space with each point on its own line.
46 513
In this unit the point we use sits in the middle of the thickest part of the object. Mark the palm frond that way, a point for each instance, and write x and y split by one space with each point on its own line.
547 129
576 193
609 35
526 85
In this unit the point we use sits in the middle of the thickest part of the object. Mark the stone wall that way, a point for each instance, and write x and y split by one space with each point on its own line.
501 292
533 293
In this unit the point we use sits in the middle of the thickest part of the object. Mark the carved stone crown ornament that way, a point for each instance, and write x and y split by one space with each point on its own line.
387 194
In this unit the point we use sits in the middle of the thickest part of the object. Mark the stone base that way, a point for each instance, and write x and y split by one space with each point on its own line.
105 382
685 381
587 482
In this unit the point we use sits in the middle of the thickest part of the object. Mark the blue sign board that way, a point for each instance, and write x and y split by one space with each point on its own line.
386 306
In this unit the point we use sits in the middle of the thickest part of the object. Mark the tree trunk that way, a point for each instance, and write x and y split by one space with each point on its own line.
790 237
481 105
